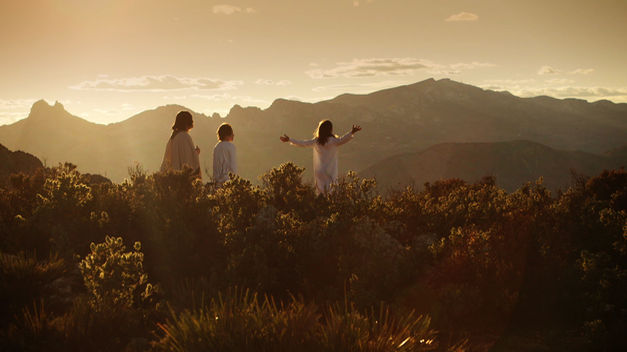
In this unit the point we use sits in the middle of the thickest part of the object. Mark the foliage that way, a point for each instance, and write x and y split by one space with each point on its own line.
115 277
482 263
240 320
26 279
347 329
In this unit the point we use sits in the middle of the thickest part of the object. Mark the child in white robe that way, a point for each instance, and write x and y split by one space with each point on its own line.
180 150
224 154
324 145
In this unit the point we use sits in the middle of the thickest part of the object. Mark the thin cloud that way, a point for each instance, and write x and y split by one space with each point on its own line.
269 82
525 88
11 104
462 17
174 97
509 82
156 84
560 81
309 99
229 97
548 70
226 9
581 71
128 107
576 92
372 67
12 110
470 66
347 87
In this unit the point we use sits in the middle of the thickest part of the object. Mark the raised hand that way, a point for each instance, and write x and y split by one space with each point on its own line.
356 128
284 138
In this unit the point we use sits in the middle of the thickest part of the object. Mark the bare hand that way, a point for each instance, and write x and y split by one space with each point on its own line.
197 150
284 138
356 128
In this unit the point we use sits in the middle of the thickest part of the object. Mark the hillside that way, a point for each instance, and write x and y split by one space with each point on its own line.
395 121
512 163
13 162
55 135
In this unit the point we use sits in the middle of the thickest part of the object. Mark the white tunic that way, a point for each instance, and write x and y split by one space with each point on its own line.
224 161
324 159
180 151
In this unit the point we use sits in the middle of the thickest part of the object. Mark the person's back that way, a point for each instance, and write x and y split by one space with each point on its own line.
224 155
324 145
325 158
180 151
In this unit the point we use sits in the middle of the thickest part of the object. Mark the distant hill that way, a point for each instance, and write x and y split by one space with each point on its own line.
619 154
399 120
16 162
512 163
55 135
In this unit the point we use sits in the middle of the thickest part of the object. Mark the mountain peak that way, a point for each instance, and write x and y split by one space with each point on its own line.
285 105
39 105
42 107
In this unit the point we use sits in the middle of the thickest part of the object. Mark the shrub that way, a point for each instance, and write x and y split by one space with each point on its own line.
472 256
239 320
115 277
344 328
26 280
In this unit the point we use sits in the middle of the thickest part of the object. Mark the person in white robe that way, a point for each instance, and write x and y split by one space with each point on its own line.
180 151
325 145
224 154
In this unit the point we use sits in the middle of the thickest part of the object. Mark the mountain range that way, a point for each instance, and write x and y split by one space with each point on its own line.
405 125
511 163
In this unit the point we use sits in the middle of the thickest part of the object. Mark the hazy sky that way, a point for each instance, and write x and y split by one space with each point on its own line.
108 59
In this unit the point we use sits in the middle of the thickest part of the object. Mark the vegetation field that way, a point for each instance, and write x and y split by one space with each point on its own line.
166 262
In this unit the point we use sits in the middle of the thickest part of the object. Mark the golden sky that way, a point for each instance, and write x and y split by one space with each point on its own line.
106 60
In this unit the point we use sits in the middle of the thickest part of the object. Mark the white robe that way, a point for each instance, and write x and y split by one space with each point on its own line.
324 159
224 161
180 151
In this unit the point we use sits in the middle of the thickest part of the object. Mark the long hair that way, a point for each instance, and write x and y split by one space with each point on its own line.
183 122
324 131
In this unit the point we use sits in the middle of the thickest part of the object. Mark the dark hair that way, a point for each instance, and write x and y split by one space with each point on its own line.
324 131
224 131
183 122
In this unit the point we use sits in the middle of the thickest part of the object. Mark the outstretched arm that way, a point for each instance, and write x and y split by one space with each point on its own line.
284 138
349 135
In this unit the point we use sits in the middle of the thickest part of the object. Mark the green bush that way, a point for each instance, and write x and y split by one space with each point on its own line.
480 261
114 277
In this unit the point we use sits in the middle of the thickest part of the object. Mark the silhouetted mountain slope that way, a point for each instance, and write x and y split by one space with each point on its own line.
410 118
398 120
512 163
619 154
56 136
16 162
